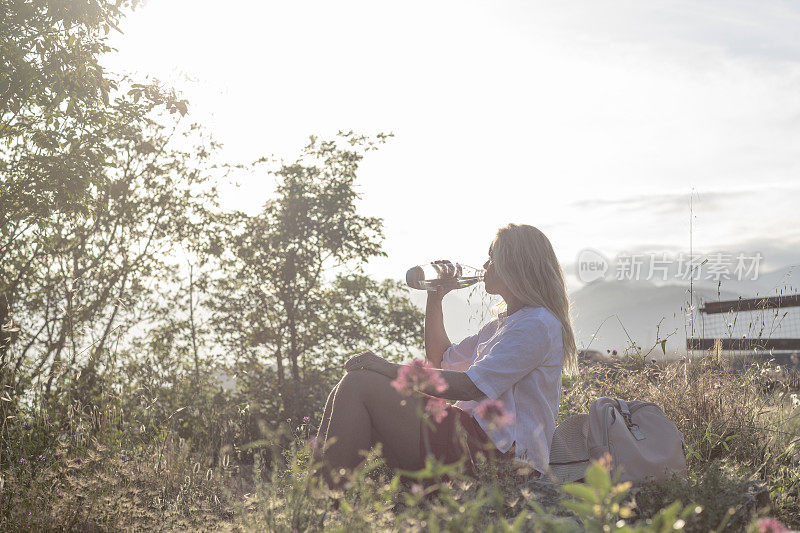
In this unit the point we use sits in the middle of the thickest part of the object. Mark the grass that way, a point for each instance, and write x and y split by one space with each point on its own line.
94 468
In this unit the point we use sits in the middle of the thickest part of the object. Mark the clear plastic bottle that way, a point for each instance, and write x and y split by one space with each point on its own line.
448 275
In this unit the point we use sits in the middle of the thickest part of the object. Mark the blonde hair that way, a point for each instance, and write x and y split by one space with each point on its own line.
525 261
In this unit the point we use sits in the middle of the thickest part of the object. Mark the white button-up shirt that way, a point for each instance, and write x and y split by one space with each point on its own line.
517 359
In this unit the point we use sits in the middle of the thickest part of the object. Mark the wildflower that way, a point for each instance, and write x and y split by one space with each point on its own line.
437 408
494 414
795 400
41 457
27 425
605 461
418 375
306 418
771 525
22 460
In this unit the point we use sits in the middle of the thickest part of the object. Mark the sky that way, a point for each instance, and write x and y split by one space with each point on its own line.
599 123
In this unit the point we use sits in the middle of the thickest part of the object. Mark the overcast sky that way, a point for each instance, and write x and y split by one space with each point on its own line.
596 122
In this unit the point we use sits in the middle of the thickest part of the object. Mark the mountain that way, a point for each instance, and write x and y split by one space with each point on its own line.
610 315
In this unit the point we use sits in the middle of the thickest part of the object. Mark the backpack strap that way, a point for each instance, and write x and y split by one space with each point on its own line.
626 414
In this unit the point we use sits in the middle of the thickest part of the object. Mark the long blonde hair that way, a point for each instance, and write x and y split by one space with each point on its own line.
524 259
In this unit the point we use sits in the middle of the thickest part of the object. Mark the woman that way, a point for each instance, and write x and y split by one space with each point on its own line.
516 359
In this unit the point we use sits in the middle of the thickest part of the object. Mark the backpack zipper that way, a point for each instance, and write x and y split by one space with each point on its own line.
612 406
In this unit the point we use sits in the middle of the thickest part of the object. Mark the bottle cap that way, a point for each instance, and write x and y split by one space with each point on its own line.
414 275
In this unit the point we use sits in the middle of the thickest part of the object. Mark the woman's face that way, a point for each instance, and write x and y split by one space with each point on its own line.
493 284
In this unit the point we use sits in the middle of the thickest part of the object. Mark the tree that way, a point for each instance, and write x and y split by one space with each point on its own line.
275 306
57 126
75 151
93 275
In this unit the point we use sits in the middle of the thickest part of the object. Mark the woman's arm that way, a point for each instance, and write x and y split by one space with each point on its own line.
436 340
459 387
459 384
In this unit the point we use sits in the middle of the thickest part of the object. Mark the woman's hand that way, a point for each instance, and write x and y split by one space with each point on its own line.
369 361
446 269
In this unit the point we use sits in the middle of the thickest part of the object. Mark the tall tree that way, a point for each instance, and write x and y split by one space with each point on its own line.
87 185
90 273
279 298
57 127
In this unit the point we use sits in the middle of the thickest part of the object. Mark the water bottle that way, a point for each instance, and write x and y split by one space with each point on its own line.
448 275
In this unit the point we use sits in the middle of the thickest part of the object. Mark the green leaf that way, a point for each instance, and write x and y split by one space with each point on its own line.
666 518
597 477
146 148
583 509
519 521
579 490
664 346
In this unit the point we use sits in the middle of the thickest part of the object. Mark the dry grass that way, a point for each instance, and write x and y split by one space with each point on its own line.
740 424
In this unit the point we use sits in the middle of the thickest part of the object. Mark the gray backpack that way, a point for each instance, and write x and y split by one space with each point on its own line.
638 437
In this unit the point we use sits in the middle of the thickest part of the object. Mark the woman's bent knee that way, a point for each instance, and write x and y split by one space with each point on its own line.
352 381
361 381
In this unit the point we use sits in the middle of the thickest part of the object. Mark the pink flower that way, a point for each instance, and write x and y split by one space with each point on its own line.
771 525
494 414
418 375
436 408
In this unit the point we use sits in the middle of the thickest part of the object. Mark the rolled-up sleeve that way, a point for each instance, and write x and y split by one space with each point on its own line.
458 356
517 351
